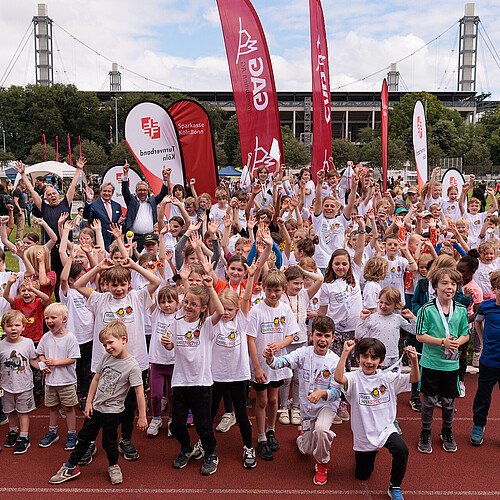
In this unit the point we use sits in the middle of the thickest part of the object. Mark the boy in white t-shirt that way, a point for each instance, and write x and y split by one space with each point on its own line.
58 351
17 355
372 396
271 323
319 394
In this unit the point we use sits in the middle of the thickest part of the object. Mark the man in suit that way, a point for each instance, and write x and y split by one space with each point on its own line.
104 209
142 213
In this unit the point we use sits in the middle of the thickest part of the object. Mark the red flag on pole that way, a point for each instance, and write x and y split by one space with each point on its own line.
57 148
44 147
253 85
70 159
80 146
384 123
321 96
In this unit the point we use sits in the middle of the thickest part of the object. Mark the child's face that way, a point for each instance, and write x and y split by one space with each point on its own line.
175 228
496 291
178 194
85 239
193 307
465 271
192 259
113 346
117 258
195 279
81 258
340 265
235 272
204 203
329 209
230 310
487 256
239 249
463 229
14 330
446 289
453 195
222 200
385 307
422 269
119 289
26 295
55 322
369 363
151 247
273 295
474 207
168 305
293 287
436 191
321 342
391 247
190 209
436 212
28 243
263 175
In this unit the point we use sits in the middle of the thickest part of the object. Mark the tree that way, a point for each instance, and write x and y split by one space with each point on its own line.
232 142
344 151
477 159
36 154
295 152
396 153
120 153
367 134
97 159
220 156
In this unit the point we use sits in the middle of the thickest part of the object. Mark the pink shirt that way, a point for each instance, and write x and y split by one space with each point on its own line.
477 296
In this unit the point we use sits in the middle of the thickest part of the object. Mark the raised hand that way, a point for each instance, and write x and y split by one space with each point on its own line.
80 163
126 168
68 225
20 167
115 230
63 217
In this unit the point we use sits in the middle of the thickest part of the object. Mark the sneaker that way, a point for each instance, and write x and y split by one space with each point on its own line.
210 464
342 412
87 457
272 441
337 420
115 474
50 438
65 474
184 456
154 426
284 416
295 416
83 403
438 403
263 451
4 419
477 434
70 441
395 493
22 445
449 443
475 359
425 442
249 460
415 404
11 439
462 390
321 476
226 422
128 449
396 424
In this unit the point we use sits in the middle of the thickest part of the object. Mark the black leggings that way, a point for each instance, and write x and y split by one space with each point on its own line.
83 369
365 460
127 416
238 391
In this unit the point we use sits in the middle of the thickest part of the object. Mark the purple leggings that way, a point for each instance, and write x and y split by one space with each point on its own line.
160 378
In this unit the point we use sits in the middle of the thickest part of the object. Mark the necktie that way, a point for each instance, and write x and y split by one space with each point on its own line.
107 204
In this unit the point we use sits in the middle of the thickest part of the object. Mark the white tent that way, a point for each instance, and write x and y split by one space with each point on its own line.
48 167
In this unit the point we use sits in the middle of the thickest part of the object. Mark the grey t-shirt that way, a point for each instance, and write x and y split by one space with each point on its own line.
117 377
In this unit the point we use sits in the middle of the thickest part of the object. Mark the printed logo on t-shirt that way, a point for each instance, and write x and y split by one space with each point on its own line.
79 302
233 339
276 326
189 339
15 363
124 314
30 320
377 396
108 381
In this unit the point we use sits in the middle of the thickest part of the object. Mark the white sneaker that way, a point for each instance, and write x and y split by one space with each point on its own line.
475 359
154 426
115 474
342 412
226 422
337 420
295 416
462 390
284 416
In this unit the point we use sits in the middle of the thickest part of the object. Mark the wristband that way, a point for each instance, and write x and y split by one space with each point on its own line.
442 342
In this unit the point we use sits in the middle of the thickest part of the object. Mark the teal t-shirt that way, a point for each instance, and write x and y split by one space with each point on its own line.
429 322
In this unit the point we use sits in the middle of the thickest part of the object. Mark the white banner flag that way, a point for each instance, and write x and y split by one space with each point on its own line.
452 177
420 143
114 175
151 136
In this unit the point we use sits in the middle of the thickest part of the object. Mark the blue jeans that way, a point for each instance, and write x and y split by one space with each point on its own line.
488 378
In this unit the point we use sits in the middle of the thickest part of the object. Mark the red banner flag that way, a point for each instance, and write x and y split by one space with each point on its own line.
70 158
253 84
196 141
80 146
384 127
44 147
321 96
57 148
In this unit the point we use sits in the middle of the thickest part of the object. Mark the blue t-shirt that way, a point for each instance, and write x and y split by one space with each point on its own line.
491 341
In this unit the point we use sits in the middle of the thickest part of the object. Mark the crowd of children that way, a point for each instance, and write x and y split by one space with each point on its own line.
276 289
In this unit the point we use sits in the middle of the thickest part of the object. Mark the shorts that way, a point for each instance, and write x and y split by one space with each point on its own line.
21 402
274 384
60 394
439 383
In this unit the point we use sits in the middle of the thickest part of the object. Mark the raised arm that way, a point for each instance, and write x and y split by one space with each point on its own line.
339 374
154 281
6 293
48 230
70 193
36 197
351 200
318 201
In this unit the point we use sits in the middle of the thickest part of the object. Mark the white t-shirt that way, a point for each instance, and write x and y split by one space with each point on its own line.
80 319
230 359
482 277
217 213
431 201
331 237
298 304
4 278
475 224
373 406
309 198
451 209
130 310
56 347
271 324
15 369
161 324
396 274
370 294
193 352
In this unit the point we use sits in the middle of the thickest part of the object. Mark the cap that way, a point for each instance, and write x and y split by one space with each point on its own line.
151 238
412 191
426 213
401 210
399 203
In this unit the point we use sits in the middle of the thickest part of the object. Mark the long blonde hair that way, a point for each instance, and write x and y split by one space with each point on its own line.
30 254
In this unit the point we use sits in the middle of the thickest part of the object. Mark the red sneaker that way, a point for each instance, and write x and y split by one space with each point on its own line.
321 476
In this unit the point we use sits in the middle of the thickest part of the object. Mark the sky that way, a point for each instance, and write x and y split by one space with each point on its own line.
178 43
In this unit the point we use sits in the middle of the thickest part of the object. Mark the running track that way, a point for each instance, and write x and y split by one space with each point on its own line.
469 473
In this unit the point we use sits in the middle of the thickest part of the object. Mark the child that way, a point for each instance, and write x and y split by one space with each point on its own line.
58 350
319 394
372 395
442 326
117 372
488 263
385 324
487 326
374 271
161 360
17 355
192 336
270 323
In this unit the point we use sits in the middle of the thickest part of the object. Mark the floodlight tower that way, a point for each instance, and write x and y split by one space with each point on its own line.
467 46
44 60
393 79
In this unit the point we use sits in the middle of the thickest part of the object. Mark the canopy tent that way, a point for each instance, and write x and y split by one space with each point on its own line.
229 172
48 167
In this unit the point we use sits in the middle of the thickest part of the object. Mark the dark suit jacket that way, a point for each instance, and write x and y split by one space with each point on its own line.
133 204
97 210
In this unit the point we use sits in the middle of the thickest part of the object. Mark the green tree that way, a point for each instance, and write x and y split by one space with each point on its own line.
477 159
97 159
295 152
396 153
220 156
120 153
344 151
367 134
232 142
36 154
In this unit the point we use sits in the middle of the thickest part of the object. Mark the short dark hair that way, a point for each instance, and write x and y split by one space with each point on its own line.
374 345
323 324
